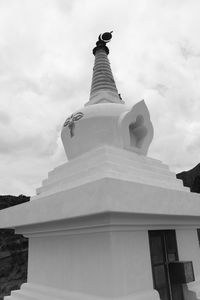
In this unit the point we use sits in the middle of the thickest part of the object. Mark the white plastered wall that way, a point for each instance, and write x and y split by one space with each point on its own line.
106 264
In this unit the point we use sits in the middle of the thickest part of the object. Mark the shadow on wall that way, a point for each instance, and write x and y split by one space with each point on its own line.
13 252
188 294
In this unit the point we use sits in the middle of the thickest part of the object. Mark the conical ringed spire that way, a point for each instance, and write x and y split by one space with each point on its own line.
103 88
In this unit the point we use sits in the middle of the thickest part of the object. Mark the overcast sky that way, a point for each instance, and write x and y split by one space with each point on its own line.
46 68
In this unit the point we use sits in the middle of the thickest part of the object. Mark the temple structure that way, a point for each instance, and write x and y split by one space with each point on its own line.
111 222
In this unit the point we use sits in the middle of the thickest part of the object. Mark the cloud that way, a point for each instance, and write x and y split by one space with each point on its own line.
4 118
46 69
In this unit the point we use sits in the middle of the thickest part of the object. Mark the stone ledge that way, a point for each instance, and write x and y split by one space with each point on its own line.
104 195
38 292
110 162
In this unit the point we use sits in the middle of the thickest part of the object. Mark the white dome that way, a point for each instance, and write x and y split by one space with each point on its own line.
107 124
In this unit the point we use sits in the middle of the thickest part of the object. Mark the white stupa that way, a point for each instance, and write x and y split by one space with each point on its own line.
111 222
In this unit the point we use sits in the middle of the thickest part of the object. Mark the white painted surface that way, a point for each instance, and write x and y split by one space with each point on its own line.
106 264
108 124
107 161
109 195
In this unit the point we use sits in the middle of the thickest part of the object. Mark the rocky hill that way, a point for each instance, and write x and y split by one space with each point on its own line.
13 252
191 179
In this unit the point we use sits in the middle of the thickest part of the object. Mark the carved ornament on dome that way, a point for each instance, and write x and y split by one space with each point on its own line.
136 129
70 122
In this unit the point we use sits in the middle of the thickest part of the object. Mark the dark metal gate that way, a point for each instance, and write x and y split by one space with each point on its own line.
163 249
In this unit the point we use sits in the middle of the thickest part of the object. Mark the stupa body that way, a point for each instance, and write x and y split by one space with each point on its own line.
111 222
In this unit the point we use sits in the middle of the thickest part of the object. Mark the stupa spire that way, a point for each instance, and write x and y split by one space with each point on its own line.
103 88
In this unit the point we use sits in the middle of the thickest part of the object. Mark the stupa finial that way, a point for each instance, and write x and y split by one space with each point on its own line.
102 41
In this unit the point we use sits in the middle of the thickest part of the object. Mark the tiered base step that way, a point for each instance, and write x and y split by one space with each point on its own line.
37 292
105 162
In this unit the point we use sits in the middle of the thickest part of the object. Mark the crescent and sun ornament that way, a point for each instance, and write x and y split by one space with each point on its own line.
106 37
